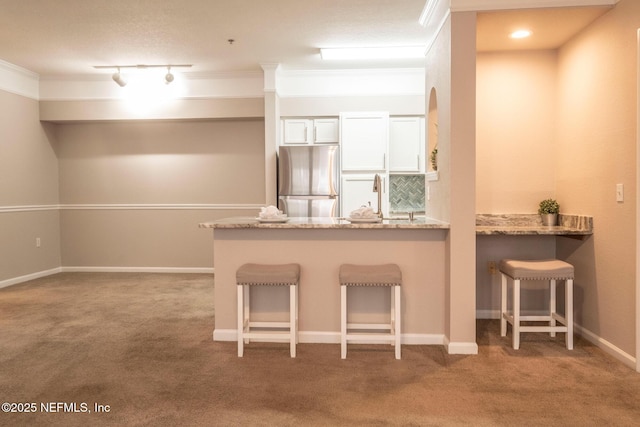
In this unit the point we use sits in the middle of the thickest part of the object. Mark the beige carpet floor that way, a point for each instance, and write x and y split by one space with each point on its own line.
141 346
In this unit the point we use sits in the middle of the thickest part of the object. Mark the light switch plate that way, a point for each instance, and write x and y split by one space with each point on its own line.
619 192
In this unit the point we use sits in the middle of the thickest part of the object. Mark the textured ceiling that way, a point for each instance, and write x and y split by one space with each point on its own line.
550 28
69 37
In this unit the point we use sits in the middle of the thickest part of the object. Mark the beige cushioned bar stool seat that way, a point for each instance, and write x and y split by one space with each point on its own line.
370 275
551 270
267 275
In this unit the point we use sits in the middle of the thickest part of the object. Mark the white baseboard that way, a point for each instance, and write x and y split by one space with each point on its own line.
594 339
322 337
606 346
39 274
72 269
225 335
461 347
318 337
27 277
487 314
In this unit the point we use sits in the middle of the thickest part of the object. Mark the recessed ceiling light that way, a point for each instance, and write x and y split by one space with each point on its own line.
360 53
520 34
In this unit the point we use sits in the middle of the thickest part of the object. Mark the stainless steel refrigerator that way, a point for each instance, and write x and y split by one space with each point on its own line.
309 180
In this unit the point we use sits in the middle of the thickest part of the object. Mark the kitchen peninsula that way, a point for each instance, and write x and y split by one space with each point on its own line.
320 246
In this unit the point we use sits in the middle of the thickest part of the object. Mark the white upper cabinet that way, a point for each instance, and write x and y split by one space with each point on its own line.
406 144
326 131
364 138
295 131
310 131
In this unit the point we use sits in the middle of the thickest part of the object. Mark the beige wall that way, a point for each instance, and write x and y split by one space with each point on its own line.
176 109
28 167
515 166
596 150
110 171
450 69
334 105
162 162
516 130
571 113
28 180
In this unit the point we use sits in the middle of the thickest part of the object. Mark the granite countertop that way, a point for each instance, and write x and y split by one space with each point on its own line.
326 223
531 224
486 224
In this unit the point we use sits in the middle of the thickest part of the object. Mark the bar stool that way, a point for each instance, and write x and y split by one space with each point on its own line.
551 270
388 275
267 275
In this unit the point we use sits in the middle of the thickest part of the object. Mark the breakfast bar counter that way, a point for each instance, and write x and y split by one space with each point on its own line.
419 223
320 246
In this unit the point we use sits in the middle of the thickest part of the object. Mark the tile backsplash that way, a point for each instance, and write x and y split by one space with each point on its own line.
406 193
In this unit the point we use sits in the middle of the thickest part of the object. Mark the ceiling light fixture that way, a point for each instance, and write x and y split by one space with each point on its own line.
169 77
360 53
122 81
520 34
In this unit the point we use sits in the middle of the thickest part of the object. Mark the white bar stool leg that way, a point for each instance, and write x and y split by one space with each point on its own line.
569 312
397 320
503 307
343 322
516 314
392 316
293 310
247 310
552 306
240 320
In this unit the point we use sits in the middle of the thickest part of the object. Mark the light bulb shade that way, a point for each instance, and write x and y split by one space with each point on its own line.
118 78
169 77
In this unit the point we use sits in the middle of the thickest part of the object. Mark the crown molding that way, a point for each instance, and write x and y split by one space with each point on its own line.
483 5
18 80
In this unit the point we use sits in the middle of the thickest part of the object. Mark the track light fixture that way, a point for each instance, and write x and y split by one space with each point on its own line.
118 78
122 81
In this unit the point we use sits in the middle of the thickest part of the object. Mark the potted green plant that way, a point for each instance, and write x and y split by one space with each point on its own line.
548 210
433 158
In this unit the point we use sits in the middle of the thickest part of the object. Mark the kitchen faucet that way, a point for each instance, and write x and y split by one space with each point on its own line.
377 188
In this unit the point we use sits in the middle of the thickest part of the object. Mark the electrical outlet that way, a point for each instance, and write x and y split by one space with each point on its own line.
37 242
492 267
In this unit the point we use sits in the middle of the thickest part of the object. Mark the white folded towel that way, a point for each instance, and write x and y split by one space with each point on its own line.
270 212
363 212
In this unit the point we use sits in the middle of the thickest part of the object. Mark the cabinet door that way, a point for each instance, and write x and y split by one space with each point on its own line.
325 131
405 144
296 131
364 138
357 191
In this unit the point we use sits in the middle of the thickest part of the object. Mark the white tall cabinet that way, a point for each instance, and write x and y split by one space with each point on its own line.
364 141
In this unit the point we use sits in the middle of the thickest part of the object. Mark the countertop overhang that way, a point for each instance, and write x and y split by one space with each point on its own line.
419 223
531 225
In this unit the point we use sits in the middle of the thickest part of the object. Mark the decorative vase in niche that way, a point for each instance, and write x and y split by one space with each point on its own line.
549 219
